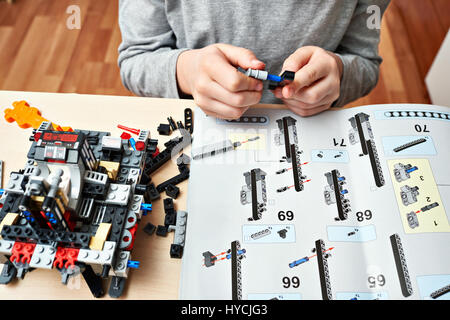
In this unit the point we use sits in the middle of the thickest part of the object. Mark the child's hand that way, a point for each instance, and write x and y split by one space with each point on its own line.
211 77
317 81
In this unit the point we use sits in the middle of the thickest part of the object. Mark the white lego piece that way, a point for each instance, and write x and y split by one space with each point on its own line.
43 256
96 256
118 194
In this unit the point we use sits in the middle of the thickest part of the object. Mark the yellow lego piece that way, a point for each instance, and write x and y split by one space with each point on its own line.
111 167
100 237
8 220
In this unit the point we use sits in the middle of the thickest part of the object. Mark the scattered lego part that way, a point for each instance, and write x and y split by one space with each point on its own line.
274 81
180 125
27 116
188 120
176 249
161 231
149 229
132 130
164 129
172 123
172 191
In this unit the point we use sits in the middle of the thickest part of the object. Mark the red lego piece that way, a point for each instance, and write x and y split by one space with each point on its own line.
140 145
22 252
65 257
132 130
133 237
155 153
125 136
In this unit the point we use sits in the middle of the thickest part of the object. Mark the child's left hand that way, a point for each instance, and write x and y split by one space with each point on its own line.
317 81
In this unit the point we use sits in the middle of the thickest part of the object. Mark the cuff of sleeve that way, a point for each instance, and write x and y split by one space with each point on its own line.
344 97
173 91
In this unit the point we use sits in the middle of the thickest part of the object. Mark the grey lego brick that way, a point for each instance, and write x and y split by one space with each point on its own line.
132 158
120 268
95 177
43 256
14 184
118 194
6 246
135 205
179 228
103 257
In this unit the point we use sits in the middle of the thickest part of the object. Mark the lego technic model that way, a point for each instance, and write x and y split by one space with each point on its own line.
76 205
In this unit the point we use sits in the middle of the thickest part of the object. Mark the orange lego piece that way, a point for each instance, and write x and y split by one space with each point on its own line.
28 117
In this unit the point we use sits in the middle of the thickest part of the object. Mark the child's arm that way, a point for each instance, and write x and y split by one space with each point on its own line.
151 64
326 79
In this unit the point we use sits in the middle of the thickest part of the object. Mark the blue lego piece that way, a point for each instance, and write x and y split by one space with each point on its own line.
146 207
133 143
2 191
133 264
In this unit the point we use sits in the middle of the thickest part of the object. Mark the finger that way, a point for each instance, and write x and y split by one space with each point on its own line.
306 76
298 59
240 57
234 99
222 72
219 109
316 93
309 112
299 104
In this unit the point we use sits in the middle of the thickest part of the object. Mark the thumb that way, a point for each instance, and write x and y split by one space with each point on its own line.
241 57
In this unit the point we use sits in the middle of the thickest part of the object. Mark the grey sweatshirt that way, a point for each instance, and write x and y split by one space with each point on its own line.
155 32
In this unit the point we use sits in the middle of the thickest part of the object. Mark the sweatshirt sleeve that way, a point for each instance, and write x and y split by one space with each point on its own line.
358 51
148 54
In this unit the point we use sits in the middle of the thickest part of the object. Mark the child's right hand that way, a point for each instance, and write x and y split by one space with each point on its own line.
210 76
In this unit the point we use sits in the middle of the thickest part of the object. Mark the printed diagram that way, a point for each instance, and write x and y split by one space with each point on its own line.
335 193
408 145
322 255
275 233
436 287
235 254
400 264
336 156
418 197
361 131
254 192
361 296
351 234
288 137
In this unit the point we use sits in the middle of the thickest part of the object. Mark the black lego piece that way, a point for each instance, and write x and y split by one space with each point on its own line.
180 125
153 164
152 145
164 129
149 229
184 175
93 281
8 273
172 191
116 287
188 120
169 206
176 251
161 231
172 123
170 219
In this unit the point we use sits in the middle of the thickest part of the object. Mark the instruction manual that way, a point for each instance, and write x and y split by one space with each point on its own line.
350 204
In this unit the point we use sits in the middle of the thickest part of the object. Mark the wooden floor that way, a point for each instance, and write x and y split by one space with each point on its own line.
39 53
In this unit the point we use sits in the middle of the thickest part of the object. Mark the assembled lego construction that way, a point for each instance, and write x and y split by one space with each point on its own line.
76 205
